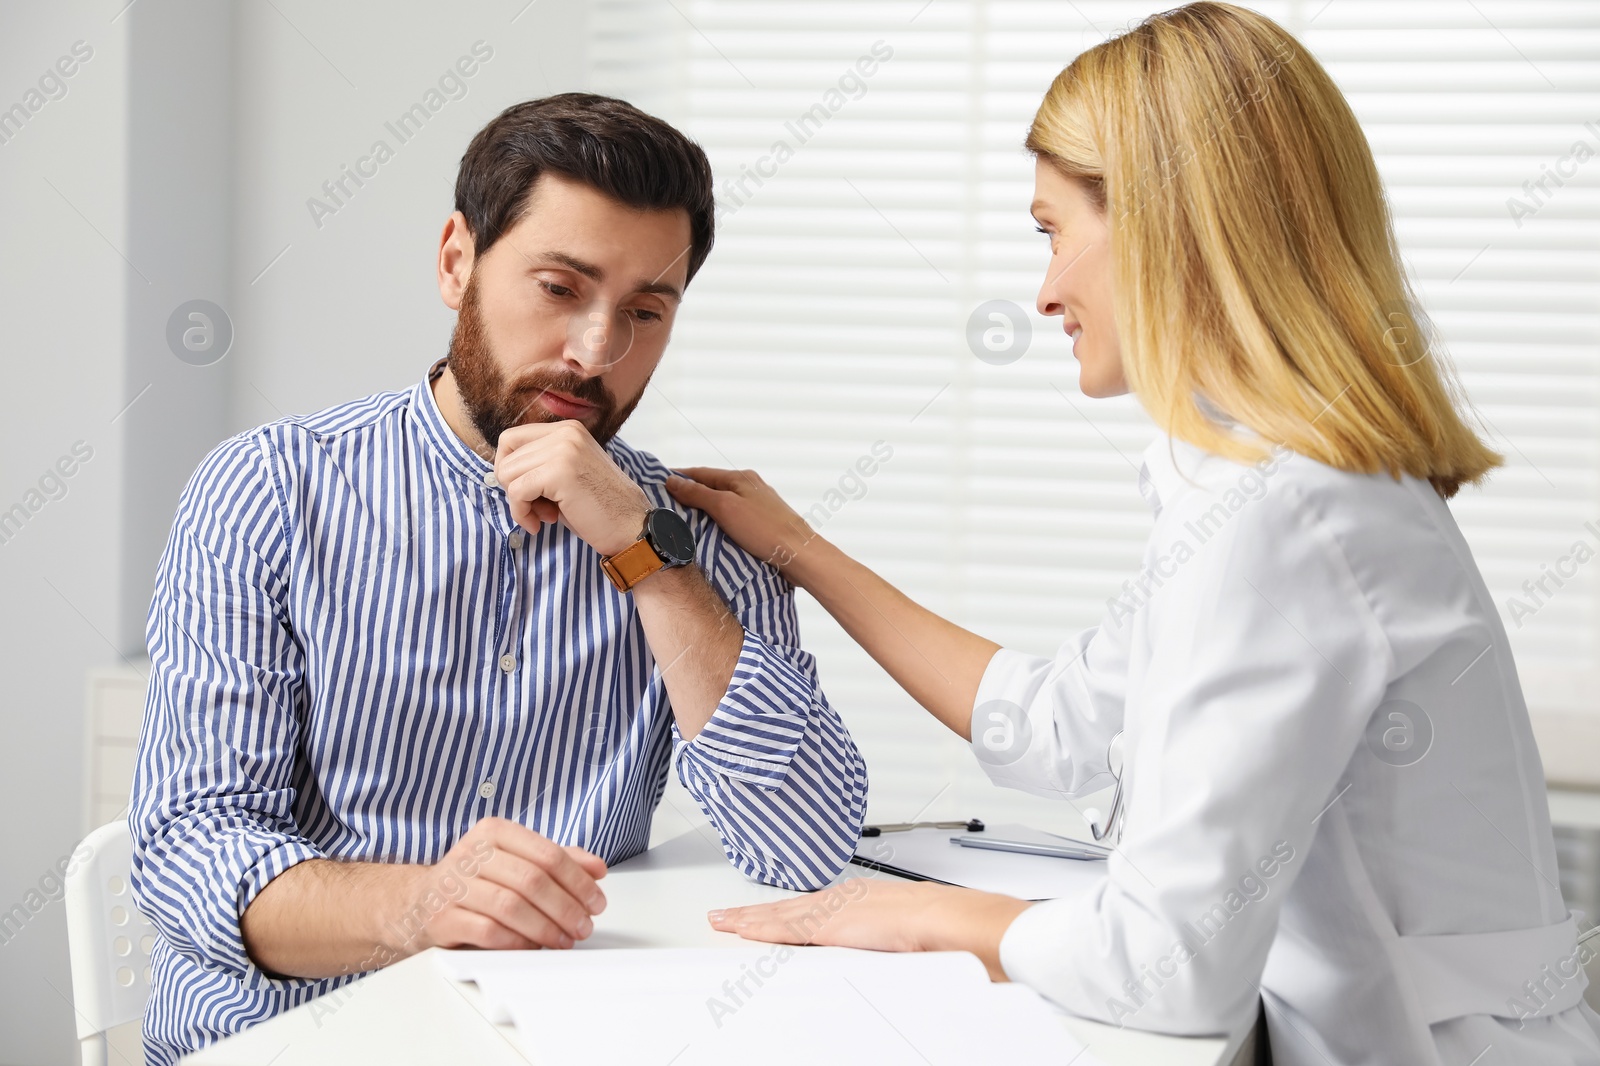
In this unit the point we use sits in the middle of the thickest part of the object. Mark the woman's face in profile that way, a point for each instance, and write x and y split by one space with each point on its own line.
1077 283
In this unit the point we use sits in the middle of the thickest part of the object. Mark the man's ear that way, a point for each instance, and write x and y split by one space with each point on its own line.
456 258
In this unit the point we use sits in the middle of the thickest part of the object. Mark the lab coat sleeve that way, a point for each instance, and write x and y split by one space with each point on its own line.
1043 725
1265 665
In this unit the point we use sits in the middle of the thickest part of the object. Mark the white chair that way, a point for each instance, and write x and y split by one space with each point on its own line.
1589 948
109 939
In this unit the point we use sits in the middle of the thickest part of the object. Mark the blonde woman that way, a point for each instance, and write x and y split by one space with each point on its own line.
1330 797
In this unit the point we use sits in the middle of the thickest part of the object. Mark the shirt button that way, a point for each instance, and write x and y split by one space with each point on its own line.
486 790
489 480
508 662
516 538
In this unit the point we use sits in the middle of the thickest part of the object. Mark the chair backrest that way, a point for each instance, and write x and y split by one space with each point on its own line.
1589 954
109 939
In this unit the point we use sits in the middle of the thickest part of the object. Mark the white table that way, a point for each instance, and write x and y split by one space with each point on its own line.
412 1012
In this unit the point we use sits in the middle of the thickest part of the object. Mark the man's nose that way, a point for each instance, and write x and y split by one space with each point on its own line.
595 341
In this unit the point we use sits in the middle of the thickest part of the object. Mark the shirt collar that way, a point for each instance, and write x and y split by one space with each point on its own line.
449 447
1170 463
1158 475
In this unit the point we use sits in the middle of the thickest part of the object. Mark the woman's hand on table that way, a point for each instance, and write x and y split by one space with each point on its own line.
883 915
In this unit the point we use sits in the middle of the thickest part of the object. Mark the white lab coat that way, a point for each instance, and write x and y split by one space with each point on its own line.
1333 795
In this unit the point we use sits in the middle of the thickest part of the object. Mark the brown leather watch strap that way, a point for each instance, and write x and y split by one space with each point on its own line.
631 565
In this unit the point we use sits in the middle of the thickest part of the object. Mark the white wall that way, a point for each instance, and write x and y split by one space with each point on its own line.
62 283
181 159
352 307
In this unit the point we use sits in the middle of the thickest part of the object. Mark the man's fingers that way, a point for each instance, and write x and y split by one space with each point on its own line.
525 490
529 487
544 451
592 864
532 515
511 465
514 437
509 909
458 927
540 889
521 842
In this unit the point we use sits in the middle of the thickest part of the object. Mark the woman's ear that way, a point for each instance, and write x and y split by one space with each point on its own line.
456 258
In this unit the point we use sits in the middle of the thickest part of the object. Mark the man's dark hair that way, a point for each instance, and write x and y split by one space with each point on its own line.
604 143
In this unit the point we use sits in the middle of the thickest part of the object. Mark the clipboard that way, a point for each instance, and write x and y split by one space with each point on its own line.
926 854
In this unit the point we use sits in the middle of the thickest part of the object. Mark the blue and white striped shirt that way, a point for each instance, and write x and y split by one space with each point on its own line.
357 654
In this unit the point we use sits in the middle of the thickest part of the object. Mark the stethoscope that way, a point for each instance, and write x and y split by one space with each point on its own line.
1113 824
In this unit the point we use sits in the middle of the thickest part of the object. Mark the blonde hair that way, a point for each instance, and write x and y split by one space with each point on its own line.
1255 265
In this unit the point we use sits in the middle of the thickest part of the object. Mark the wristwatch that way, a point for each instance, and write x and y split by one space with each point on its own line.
666 543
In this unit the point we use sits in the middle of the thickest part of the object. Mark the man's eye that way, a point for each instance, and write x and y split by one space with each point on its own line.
646 316
556 290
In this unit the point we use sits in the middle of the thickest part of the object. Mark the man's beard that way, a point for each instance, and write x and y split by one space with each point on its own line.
494 406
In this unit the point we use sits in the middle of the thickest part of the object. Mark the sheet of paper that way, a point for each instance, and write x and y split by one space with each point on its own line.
739 1005
929 853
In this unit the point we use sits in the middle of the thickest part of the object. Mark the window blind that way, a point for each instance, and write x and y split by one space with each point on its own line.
873 201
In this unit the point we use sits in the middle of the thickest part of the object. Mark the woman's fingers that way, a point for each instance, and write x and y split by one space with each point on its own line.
693 494
716 478
748 510
771 922
858 912
712 491
837 915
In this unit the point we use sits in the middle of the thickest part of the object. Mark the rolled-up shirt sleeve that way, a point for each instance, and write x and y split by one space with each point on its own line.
1259 662
774 768
212 806
1043 725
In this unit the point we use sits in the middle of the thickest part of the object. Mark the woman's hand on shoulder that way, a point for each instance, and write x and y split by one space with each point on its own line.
748 510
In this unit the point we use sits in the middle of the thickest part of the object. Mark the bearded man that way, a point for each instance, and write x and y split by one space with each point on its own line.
421 662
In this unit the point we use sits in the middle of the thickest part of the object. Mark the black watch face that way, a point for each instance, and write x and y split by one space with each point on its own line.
670 536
